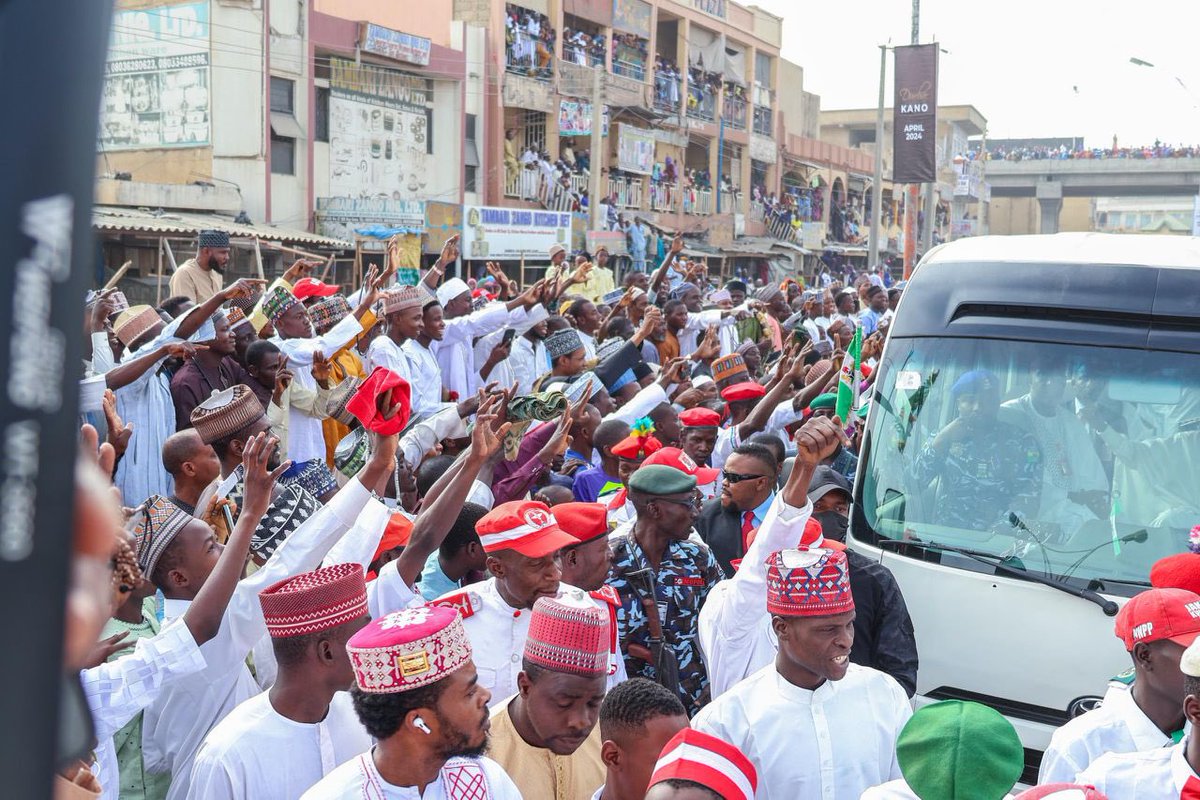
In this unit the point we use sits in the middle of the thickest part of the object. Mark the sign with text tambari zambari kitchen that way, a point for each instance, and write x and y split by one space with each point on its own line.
914 121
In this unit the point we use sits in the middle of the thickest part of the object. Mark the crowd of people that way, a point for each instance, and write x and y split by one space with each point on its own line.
576 539
630 53
1065 153
529 41
583 48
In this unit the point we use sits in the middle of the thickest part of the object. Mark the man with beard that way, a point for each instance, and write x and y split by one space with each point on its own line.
278 744
546 737
813 723
728 523
203 276
209 370
418 695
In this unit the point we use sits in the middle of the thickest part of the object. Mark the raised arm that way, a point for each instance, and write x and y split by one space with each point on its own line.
676 247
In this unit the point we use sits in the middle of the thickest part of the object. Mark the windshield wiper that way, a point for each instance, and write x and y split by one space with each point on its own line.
999 563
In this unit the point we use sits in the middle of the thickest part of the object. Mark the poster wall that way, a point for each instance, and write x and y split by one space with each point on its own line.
156 84
575 118
635 149
914 140
379 132
512 233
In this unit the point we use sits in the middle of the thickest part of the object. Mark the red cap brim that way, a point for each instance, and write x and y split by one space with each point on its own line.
1185 639
546 541
706 475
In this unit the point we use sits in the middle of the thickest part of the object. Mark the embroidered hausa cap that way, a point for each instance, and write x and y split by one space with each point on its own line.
699 417
213 238
226 412
132 323
339 397
584 521
809 582
957 750
564 342
1158 614
408 649
403 298
1062 791
328 311
311 287
727 366
526 526
155 526
287 512
570 634
746 390
704 759
674 457
276 301
235 317
365 403
314 601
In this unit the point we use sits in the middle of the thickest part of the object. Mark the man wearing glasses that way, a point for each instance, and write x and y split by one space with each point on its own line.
728 523
663 577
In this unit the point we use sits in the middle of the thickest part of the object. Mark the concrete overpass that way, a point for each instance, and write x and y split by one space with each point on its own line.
1051 180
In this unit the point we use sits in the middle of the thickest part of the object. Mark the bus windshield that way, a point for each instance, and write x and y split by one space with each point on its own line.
1072 461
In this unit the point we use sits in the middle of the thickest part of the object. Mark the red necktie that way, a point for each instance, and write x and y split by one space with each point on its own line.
747 530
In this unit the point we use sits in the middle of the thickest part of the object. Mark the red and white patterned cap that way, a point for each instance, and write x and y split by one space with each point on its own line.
314 601
1062 791
568 633
526 526
704 759
408 649
808 583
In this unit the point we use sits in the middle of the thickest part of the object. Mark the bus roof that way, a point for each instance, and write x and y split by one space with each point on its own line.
1182 252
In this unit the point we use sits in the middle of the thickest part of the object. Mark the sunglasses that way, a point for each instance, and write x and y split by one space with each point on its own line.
737 477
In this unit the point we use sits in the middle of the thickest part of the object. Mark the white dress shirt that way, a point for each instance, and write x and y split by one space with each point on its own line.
383 352
256 752
1159 774
736 639
116 691
831 743
898 790
358 778
426 381
306 439
177 722
641 404
728 438
455 354
1118 725
498 631
689 336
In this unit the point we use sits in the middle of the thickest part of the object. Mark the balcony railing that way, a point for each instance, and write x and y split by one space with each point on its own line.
733 111
629 69
666 92
698 201
528 56
628 191
702 103
583 56
523 185
762 121
662 196
731 202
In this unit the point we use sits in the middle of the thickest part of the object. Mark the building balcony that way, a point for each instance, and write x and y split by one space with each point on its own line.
698 201
630 69
667 92
731 202
527 56
762 121
627 191
733 112
702 103
663 196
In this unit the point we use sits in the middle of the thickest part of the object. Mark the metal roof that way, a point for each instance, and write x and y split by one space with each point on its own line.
1073 248
120 219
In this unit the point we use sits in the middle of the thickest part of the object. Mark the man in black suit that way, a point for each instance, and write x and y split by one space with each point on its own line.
728 523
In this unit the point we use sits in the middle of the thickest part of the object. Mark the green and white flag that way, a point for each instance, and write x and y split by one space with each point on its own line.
850 378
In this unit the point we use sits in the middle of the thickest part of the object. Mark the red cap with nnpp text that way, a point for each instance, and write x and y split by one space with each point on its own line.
1158 614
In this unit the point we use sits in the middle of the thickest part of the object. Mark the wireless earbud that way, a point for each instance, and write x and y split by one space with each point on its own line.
420 725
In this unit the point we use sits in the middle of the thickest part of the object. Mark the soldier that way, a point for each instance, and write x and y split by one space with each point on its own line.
663 578
988 468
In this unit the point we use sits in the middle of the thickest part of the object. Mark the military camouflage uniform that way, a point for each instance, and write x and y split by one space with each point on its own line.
984 477
682 582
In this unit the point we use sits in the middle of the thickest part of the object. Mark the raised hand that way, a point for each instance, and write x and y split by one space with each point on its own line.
817 439
301 268
676 245
243 287
322 369
259 479
119 432
184 350
104 648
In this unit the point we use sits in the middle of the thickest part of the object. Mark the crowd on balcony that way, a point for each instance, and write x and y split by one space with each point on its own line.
703 87
1064 153
529 42
582 48
630 54
783 214
667 79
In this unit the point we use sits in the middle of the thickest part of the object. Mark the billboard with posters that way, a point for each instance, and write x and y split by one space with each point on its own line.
498 234
914 139
379 123
635 149
156 79
575 118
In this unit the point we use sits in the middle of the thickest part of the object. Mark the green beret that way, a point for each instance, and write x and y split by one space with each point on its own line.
827 400
956 750
661 479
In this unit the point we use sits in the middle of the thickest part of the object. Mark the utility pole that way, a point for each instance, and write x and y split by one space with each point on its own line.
912 197
877 177
598 155
980 230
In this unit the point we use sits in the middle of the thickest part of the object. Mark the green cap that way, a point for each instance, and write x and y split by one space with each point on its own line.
956 750
661 479
827 400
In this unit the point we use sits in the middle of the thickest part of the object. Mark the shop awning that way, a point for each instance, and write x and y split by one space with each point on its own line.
119 219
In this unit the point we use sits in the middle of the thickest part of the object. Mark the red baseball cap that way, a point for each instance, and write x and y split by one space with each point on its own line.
526 526
674 457
1158 614
746 390
584 521
699 417
311 287
1180 571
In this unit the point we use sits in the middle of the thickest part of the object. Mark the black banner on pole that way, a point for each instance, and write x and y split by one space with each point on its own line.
52 63
914 119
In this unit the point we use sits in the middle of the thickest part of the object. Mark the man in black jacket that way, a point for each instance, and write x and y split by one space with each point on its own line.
727 523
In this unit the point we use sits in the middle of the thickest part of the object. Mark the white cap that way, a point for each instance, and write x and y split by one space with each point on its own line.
556 248
452 289
1189 662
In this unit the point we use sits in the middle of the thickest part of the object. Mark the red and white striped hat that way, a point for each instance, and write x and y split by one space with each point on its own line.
1062 791
526 526
314 601
708 761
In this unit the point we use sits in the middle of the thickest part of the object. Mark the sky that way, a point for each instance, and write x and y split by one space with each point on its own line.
1031 67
